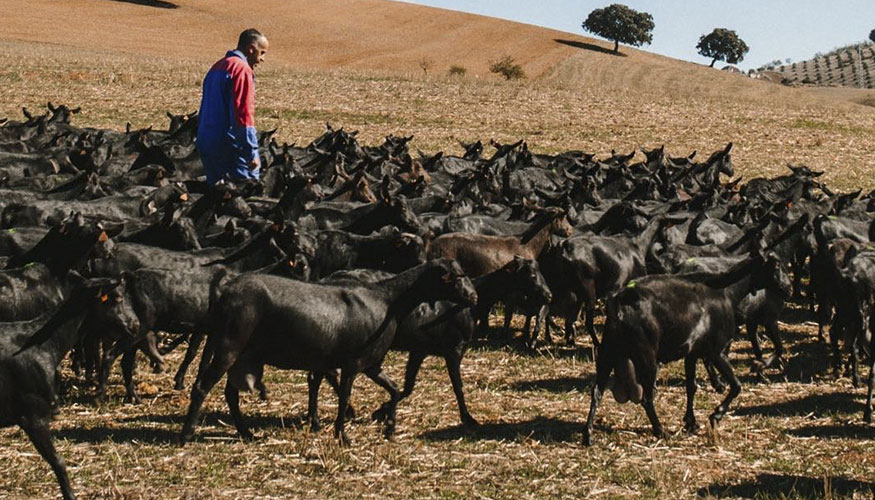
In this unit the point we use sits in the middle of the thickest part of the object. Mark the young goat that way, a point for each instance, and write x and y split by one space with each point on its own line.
30 352
661 318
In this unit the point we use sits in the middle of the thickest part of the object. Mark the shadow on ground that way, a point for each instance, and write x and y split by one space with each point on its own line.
161 4
540 428
841 431
559 385
209 422
588 46
818 405
789 486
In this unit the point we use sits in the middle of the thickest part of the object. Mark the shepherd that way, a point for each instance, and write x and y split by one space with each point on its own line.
226 138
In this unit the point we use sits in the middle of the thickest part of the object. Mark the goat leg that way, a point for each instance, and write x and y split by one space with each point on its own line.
721 362
414 362
149 346
713 377
605 362
129 364
645 370
387 411
454 362
218 366
332 377
314 381
752 335
775 336
37 429
690 425
232 397
867 411
109 357
194 342
347 376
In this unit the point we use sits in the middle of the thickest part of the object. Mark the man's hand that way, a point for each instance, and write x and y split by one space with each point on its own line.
255 163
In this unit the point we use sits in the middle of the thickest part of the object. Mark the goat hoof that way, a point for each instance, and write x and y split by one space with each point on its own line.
659 433
315 426
133 399
469 421
343 438
381 414
389 431
247 436
867 416
691 428
587 439
184 438
179 385
262 395
350 412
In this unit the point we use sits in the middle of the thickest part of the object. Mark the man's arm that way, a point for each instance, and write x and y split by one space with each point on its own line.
243 96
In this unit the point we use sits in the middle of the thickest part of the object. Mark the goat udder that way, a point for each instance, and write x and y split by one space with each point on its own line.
625 386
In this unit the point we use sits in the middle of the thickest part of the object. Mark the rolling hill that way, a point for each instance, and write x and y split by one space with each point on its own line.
368 35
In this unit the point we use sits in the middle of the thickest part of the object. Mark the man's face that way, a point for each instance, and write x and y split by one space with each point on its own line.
255 52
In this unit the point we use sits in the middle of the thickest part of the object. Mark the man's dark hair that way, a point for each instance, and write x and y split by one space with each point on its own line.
248 38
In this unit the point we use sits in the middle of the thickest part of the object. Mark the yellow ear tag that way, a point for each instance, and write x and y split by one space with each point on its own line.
631 284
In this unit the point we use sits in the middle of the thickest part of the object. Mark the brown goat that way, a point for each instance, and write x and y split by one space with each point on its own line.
480 254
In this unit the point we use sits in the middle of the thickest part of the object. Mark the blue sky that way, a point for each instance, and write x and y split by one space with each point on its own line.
773 29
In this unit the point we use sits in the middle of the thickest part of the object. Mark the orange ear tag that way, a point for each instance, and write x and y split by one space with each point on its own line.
103 237
104 298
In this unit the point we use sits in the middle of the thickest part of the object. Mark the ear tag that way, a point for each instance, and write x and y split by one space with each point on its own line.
11 231
183 197
104 297
103 237
631 284
226 196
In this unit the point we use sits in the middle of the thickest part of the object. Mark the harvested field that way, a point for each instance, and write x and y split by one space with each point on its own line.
798 436
112 89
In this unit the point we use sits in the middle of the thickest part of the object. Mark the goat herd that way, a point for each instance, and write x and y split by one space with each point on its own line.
342 252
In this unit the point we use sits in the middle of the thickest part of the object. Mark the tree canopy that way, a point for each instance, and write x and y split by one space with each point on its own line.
620 23
872 35
722 45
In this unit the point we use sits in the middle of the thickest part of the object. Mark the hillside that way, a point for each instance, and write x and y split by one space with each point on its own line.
852 66
369 35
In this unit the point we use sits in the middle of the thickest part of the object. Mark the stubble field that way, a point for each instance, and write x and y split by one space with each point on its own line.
799 436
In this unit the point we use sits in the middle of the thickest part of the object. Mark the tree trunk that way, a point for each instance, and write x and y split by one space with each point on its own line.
616 46
712 62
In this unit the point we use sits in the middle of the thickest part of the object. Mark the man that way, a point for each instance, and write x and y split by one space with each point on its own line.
226 137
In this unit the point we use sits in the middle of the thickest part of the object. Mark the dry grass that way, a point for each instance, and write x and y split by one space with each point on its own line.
797 437
113 89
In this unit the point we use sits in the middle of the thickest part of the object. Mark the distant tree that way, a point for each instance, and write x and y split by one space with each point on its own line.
621 24
723 45
872 35
507 68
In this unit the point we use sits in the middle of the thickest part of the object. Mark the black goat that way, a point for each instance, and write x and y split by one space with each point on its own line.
261 319
660 318
30 353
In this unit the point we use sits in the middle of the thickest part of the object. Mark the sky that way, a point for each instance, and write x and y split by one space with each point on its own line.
773 29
